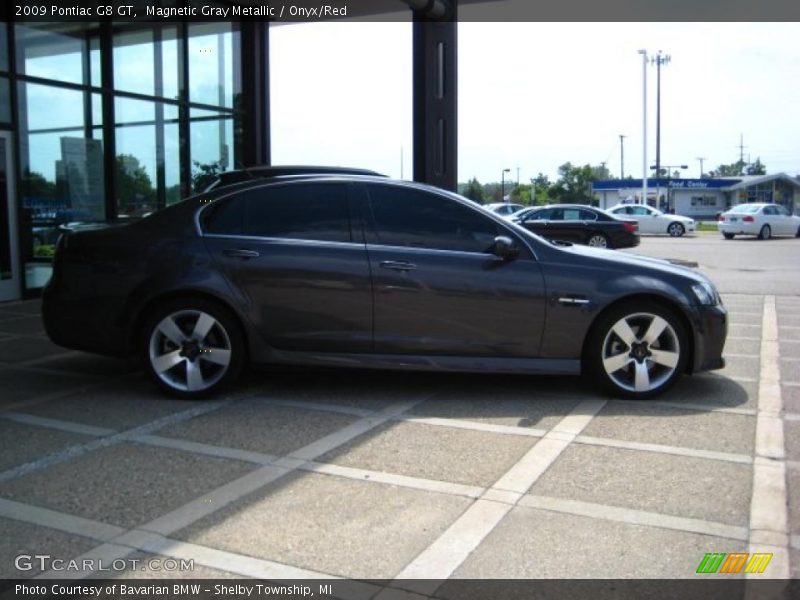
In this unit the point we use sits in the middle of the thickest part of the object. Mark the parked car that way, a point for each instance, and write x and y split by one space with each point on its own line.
504 208
363 271
760 219
580 224
652 220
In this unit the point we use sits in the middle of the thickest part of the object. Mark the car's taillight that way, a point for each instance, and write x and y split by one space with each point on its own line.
631 227
748 219
722 218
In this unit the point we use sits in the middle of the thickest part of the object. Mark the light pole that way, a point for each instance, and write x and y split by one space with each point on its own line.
658 60
701 159
622 156
503 185
644 126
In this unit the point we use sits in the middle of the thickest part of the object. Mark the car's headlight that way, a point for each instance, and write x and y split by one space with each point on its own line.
706 294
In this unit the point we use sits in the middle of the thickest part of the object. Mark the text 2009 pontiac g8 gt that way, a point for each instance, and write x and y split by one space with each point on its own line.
356 270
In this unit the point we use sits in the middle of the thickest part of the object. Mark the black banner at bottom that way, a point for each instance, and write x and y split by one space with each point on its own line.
708 588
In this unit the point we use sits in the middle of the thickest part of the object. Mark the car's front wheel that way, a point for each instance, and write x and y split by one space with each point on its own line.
637 350
192 348
676 229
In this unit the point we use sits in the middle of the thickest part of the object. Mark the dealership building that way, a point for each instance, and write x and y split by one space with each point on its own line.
106 120
701 198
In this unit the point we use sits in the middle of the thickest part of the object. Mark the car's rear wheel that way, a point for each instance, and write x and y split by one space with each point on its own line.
798 233
765 233
598 240
637 350
728 236
192 348
676 229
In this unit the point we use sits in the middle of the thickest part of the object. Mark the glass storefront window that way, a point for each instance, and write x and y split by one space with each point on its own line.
212 149
5 100
133 62
148 159
61 161
3 47
54 51
211 74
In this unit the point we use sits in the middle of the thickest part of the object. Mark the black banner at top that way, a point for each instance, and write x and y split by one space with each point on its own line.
304 11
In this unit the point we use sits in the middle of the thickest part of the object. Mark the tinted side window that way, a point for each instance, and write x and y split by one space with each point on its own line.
538 215
782 211
406 217
587 215
304 212
225 217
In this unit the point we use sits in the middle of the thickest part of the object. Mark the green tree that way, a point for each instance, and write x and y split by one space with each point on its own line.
573 185
756 168
473 190
37 186
541 189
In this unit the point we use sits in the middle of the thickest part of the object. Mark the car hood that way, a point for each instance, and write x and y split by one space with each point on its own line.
624 261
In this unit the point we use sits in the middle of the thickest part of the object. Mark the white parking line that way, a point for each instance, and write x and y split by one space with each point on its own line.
634 517
439 560
35 515
768 508
69 426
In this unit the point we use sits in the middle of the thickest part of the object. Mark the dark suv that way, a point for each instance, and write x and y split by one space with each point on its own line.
365 271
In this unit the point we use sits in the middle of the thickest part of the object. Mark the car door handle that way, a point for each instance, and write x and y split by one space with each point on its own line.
397 265
241 253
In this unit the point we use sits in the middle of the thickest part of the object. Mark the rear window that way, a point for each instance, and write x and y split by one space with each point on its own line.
746 208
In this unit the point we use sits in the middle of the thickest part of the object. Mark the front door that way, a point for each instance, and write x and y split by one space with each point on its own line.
438 289
9 265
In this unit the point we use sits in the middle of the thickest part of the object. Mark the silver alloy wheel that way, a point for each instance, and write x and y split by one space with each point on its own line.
641 352
598 241
765 233
190 350
675 230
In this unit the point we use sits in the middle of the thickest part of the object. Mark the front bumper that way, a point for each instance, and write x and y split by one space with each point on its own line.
710 331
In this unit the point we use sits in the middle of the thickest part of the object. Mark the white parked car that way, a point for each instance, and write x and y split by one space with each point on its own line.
504 208
654 221
760 219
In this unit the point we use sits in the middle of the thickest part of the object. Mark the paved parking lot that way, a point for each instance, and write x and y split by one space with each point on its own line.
402 475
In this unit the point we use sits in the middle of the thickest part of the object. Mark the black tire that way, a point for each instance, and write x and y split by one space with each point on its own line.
728 236
676 229
765 233
605 349
797 235
210 335
598 239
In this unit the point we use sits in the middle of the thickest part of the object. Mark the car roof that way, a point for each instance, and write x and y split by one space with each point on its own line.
227 178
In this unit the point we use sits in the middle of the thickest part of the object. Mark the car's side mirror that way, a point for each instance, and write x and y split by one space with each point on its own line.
505 248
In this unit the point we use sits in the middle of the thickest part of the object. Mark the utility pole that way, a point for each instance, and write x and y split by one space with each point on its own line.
622 156
701 159
517 177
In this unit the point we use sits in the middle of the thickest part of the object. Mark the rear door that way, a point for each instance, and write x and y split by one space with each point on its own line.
438 288
291 257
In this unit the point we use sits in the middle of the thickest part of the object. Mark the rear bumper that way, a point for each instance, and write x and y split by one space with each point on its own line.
738 228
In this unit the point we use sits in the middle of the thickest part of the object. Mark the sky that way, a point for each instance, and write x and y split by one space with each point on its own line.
536 95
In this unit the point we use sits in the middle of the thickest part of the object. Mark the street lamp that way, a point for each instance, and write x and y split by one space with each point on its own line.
503 185
658 60
644 125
